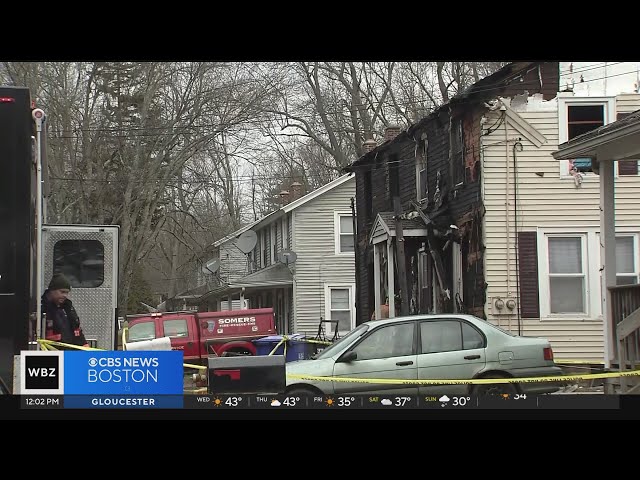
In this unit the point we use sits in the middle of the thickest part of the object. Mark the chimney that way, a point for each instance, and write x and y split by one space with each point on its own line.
284 197
369 145
296 191
391 132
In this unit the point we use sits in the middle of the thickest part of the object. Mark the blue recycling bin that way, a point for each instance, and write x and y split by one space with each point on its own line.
297 348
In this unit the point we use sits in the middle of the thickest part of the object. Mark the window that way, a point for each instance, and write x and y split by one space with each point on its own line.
566 275
421 170
263 248
457 152
340 305
344 238
626 264
471 338
81 261
274 244
176 328
577 116
448 336
142 331
385 342
569 266
285 233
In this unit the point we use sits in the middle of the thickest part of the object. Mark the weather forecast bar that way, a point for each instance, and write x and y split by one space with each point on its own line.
390 402
271 402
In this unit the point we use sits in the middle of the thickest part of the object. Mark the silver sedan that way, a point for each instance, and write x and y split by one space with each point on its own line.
426 347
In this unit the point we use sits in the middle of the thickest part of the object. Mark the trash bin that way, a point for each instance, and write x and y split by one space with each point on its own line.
297 348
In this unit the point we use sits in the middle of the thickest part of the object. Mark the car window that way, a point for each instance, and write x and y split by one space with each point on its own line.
142 331
176 328
471 338
387 341
440 336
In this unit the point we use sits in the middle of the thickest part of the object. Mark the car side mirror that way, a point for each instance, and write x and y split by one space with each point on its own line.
348 357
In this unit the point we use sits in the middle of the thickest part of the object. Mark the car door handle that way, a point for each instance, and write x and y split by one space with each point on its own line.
472 357
402 364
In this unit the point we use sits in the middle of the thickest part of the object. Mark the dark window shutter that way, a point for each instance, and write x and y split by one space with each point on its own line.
626 167
528 274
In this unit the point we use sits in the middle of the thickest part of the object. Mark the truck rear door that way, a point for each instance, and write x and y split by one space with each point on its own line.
88 256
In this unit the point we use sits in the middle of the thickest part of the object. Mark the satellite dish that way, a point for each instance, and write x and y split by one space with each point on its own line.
287 257
247 241
211 267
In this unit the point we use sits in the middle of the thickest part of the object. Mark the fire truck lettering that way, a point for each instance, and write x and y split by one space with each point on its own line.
237 320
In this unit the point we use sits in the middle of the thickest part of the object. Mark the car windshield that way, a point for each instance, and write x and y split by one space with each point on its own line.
355 333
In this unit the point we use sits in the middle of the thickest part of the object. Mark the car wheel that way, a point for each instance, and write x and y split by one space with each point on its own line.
495 388
303 391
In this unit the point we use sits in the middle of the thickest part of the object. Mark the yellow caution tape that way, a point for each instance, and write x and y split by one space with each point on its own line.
193 365
51 343
475 381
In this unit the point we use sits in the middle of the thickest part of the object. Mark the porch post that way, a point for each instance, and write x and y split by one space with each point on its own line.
376 278
391 286
607 255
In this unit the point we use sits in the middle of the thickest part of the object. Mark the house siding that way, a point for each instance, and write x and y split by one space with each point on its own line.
233 263
317 264
543 200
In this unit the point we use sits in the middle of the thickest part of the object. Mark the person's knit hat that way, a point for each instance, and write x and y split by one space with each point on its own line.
59 282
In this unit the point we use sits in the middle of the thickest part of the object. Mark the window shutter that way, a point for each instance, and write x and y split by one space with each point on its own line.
528 275
626 167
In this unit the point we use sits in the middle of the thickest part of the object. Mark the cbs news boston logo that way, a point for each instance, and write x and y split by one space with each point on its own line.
101 372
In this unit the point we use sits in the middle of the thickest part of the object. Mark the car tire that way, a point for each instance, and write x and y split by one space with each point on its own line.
494 389
303 391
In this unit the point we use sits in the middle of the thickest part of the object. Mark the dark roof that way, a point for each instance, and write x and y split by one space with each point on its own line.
608 128
484 88
413 224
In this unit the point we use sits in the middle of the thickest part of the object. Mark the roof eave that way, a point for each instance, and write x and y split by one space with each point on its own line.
587 147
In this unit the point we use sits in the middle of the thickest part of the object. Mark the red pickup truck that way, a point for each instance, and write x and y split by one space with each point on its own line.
201 334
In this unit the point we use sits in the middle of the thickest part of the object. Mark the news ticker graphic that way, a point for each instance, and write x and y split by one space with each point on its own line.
96 372
326 402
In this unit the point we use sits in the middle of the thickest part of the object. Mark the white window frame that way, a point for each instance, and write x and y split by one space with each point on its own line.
591 255
635 257
337 233
591 302
327 304
263 246
636 252
563 116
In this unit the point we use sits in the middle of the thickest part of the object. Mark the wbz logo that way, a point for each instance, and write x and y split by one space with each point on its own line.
41 372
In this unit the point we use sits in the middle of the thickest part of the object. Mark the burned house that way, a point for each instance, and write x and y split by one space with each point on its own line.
420 207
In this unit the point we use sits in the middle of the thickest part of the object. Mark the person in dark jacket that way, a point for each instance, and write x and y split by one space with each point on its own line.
62 321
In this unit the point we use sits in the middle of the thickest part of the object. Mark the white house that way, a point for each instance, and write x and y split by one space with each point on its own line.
302 263
542 221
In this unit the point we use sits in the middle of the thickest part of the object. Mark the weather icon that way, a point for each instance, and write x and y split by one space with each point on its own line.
444 399
275 402
329 401
386 401
217 402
